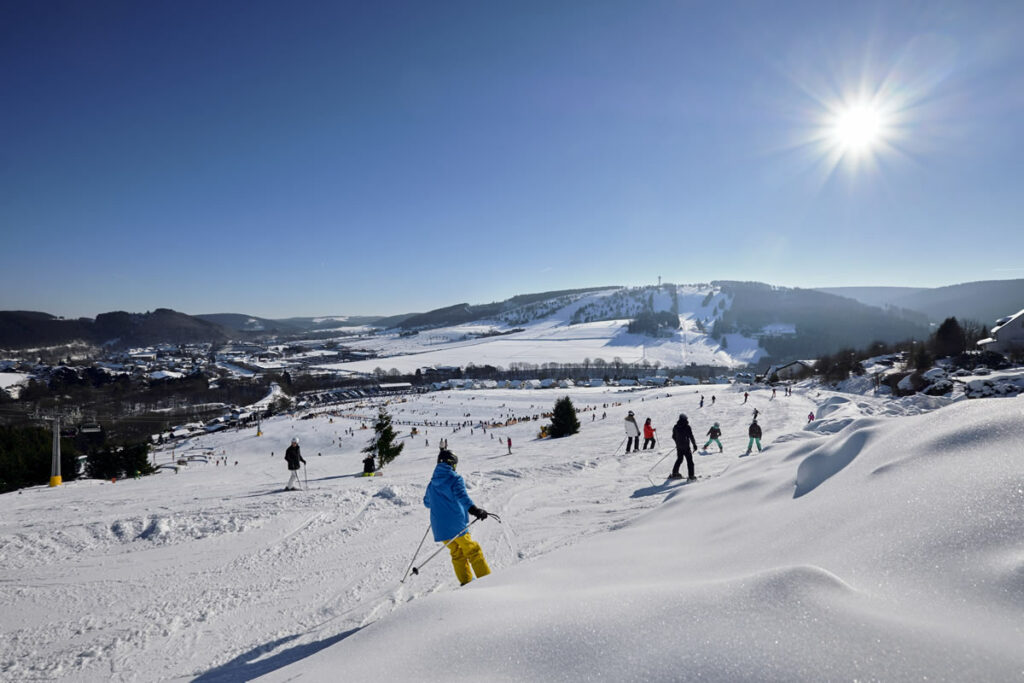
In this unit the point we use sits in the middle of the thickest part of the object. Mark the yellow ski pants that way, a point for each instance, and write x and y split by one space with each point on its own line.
465 553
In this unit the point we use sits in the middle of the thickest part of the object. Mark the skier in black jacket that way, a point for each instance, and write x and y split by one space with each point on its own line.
755 436
293 457
682 434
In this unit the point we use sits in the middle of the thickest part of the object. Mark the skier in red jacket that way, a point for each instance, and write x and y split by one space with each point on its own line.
648 434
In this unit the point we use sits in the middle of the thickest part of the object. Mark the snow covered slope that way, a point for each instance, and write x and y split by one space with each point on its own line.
595 324
881 542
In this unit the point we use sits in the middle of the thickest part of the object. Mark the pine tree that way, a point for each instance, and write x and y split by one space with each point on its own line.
563 419
382 445
949 339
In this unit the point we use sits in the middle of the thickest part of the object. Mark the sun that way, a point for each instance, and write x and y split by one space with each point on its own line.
857 129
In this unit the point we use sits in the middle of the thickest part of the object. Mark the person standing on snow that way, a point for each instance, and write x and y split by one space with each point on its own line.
449 504
754 432
682 434
714 434
648 434
510 445
632 433
293 457
810 417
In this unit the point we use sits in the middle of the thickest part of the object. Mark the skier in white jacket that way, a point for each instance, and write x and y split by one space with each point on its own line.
632 433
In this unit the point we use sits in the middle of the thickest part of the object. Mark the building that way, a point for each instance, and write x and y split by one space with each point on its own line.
788 370
1006 336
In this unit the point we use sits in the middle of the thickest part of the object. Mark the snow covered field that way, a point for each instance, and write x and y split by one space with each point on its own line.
543 340
881 542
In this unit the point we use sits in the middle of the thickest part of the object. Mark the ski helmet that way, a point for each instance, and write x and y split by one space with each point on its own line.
295 440
447 457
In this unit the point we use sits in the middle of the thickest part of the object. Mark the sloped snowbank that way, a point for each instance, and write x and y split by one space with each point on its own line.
889 550
881 541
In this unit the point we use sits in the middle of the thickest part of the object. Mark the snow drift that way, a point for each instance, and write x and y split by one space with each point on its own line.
880 542
888 551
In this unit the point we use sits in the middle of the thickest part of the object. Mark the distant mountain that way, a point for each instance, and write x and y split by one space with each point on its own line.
249 324
786 323
823 322
24 329
465 313
874 296
162 326
983 301
331 322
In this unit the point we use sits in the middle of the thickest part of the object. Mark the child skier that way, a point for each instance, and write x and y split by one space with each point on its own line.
648 434
714 434
449 504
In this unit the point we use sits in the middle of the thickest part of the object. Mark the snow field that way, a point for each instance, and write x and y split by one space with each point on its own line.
897 557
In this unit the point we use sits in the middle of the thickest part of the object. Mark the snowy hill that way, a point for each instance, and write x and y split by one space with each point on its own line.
727 324
881 542
984 301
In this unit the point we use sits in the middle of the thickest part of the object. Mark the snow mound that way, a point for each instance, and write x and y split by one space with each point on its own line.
394 494
894 556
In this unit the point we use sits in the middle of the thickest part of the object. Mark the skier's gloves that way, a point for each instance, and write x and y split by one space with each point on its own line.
477 512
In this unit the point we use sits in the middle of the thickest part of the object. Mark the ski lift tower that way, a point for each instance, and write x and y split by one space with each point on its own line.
55 478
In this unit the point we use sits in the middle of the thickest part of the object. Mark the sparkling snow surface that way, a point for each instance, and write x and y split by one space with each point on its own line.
881 542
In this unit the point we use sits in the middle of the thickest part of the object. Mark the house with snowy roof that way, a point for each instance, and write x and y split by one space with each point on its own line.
1006 336
788 370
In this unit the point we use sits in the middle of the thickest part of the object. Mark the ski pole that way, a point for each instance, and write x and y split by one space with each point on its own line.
416 570
655 465
620 446
662 458
411 562
305 473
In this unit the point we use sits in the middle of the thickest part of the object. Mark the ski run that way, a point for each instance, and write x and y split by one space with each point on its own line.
880 541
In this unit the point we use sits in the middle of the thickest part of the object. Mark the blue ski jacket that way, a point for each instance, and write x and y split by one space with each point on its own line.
448 502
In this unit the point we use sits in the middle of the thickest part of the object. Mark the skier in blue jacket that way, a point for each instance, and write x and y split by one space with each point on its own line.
449 504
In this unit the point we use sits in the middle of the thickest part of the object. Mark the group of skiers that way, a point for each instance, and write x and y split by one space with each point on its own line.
450 505
682 435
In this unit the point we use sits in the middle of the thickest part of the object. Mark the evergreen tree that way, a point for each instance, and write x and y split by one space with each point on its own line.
949 339
563 419
921 359
382 445
119 462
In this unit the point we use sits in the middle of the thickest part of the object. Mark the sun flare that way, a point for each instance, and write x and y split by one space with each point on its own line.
857 129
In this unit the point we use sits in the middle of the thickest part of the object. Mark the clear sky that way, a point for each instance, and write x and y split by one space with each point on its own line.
308 158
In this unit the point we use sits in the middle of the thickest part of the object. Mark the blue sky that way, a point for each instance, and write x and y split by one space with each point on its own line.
316 158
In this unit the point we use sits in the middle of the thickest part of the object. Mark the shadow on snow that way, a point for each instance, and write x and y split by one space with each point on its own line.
248 665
